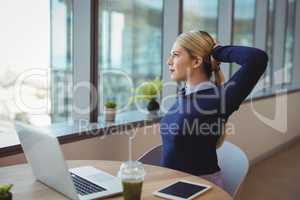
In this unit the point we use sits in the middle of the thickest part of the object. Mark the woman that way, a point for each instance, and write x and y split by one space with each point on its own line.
193 127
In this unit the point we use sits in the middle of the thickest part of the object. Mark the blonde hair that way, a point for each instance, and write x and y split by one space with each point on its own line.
200 43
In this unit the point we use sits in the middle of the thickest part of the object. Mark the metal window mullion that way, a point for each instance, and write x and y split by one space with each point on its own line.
279 41
296 53
94 45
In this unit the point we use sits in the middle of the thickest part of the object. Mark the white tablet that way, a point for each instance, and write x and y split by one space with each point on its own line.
182 190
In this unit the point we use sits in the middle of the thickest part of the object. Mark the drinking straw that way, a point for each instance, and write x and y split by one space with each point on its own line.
130 148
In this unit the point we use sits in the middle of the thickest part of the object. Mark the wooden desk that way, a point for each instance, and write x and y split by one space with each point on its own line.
27 188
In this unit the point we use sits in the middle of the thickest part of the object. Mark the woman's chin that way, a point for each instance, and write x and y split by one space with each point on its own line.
173 77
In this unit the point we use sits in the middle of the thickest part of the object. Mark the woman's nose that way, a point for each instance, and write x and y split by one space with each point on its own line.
169 61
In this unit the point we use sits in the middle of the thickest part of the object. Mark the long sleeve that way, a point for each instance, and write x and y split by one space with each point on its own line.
253 63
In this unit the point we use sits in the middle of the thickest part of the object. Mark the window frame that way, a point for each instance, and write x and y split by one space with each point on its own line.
96 67
85 53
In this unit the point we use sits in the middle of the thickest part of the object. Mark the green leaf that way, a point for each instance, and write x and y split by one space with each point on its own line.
149 90
110 104
5 189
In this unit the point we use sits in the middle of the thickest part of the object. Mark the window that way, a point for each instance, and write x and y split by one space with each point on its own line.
200 15
27 94
288 45
269 46
243 25
130 41
289 41
61 60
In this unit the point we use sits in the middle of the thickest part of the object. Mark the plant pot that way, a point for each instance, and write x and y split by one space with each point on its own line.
8 197
153 106
110 114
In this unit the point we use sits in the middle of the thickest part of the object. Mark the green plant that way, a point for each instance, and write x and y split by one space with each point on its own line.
153 105
149 90
110 104
5 190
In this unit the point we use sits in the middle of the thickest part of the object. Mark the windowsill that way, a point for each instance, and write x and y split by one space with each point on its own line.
273 91
75 131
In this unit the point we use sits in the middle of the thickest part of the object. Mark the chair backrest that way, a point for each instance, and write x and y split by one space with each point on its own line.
153 156
234 165
232 160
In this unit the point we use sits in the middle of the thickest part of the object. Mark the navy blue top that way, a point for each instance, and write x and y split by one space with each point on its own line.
192 126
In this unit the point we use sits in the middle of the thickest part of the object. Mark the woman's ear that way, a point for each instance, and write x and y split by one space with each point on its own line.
197 62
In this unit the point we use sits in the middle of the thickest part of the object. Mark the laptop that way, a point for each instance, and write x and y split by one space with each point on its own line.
43 153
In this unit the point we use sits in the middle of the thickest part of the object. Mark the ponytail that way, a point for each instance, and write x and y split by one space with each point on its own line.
217 72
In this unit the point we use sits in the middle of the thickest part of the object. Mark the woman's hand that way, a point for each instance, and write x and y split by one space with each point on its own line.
213 58
216 44
217 63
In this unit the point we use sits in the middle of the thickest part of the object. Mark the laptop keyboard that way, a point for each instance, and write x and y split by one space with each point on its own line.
85 187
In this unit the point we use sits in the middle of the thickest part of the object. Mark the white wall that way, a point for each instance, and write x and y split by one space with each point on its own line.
251 134
111 147
258 139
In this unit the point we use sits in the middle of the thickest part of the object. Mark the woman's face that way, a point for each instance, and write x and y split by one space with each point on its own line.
180 63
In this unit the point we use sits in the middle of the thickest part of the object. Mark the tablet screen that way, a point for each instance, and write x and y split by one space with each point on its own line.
182 189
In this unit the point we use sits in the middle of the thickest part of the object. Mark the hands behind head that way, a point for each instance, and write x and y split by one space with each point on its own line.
212 58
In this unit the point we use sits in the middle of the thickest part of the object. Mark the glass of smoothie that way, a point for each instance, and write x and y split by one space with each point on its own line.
132 174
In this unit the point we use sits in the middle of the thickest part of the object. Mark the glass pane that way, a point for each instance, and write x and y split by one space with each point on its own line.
200 15
130 39
61 59
270 36
289 41
25 63
243 26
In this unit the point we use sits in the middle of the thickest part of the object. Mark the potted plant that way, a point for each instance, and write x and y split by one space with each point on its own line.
149 91
5 193
110 110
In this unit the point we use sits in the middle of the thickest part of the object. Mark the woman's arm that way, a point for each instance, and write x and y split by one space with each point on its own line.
253 63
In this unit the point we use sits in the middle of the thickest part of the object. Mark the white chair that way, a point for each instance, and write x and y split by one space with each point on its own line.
234 165
232 160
